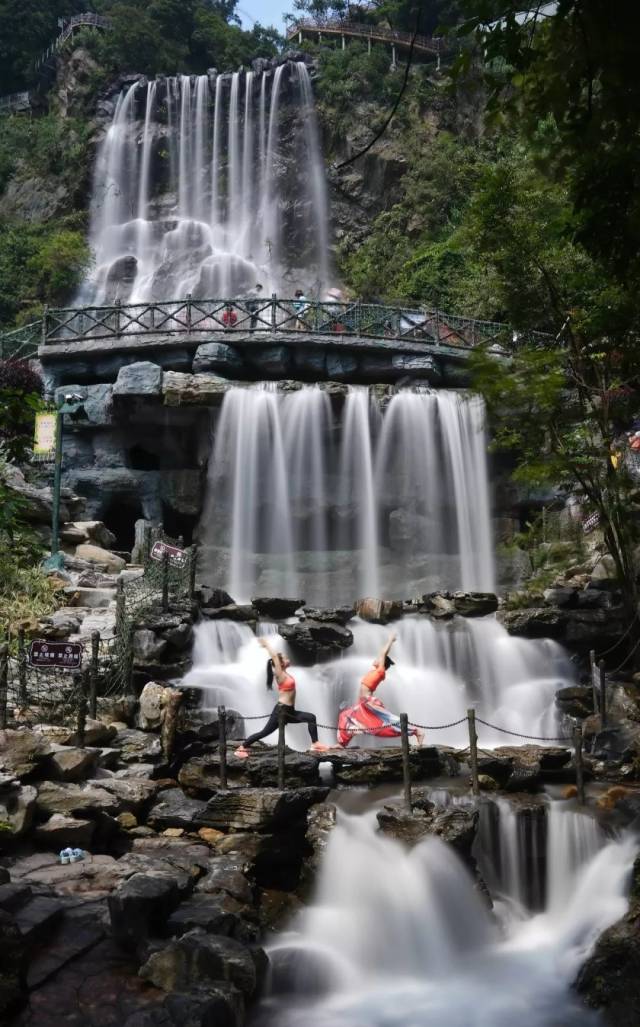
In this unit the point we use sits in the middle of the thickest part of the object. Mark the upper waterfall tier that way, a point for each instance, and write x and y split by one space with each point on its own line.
209 186
331 504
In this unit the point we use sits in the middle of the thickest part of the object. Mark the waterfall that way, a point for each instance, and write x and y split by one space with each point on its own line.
360 501
395 938
194 182
440 669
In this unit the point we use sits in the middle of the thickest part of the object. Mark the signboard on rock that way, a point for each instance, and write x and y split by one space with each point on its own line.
44 442
58 655
177 556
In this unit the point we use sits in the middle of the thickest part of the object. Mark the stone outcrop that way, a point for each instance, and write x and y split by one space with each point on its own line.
316 640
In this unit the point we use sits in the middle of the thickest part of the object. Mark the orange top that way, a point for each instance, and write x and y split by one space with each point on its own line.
373 677
287 684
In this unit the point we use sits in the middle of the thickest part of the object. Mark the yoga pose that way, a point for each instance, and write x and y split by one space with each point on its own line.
369 716
277 667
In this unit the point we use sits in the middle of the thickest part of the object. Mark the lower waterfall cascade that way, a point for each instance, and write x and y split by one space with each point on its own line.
396 937
375 499
439 670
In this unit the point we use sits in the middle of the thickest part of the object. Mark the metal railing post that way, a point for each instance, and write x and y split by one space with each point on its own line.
281 748
93 674
165 582
406 765
274 301
22 669
222 745
4 683
189 314
473 751
118 318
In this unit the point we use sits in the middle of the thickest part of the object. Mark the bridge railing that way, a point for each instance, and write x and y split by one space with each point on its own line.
379 33
88 20
203 317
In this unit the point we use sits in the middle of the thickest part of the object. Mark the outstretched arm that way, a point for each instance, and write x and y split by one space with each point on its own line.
279 670
384 652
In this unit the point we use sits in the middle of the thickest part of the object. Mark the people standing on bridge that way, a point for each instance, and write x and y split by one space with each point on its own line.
254 297
229 317
334 307
369 715
277 666
300 307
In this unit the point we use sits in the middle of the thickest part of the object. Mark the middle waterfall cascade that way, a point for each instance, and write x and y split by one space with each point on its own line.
394 938
305 500
439 670
197 190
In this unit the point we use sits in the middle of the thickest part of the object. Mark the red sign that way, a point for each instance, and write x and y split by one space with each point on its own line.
67 655
177 557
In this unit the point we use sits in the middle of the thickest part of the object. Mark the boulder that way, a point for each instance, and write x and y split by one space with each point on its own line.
153 701
217 356
321 820
261 810
179 389
94 532
564 597
71 764
378 611
138 746
141 906
271 360
455 825
17 808
143 378
13 952
315 640
378 766
474 604
213 598
438 605
216 914
224 875
174 809
97 403
59 625
61 832
277 608
22 752
147 647
196 958
234 611
68 798
36 503
575 701
133 794
334 614
102 557
341 366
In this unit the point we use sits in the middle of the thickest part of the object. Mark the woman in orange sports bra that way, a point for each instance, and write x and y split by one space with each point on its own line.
369 715
277 666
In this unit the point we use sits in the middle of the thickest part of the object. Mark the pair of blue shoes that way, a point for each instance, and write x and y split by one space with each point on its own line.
72 855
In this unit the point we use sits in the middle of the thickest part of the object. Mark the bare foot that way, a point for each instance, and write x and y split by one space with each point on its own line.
319 747
241 752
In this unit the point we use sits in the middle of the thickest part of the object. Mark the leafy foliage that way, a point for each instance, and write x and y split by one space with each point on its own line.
20 398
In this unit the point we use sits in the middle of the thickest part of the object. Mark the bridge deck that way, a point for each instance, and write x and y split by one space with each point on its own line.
426 45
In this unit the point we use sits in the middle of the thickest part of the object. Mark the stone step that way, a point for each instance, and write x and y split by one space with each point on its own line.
38 917
89 598
13 896
70 939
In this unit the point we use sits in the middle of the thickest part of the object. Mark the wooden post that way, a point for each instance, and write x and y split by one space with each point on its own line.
189 315
594 682
169 725
93 674
22 669
473 751
165 582
222 745
80 683
118 317
146 546
274 301
281 748
603 694
406 767
4 676
577 745
193 564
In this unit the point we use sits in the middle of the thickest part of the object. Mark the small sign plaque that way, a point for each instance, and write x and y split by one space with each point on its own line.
44 442
65 655
177 557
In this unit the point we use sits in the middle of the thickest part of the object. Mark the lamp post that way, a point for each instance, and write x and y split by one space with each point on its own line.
73 404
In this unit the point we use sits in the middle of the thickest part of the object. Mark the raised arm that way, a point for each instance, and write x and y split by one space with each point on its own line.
279 670
384 652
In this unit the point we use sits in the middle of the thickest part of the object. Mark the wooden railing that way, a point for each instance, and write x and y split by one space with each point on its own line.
375 33
78 21
203 317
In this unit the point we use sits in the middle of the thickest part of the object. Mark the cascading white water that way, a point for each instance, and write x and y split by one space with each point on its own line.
331 505
197 190
439 670
396 938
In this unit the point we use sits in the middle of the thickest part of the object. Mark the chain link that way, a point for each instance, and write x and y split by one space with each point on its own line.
518 734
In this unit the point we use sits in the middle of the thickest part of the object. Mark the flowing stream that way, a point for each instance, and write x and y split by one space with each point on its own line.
398 938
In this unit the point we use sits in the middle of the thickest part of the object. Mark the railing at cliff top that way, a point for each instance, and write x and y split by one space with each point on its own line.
376 33
197 317
77 21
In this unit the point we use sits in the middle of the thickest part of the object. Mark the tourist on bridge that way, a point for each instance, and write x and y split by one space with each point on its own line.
277 666
369 716
229 317
300 307
254 297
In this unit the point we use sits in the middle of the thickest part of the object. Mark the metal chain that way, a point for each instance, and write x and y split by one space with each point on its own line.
518 734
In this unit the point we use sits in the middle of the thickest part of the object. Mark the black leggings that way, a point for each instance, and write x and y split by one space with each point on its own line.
291 716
